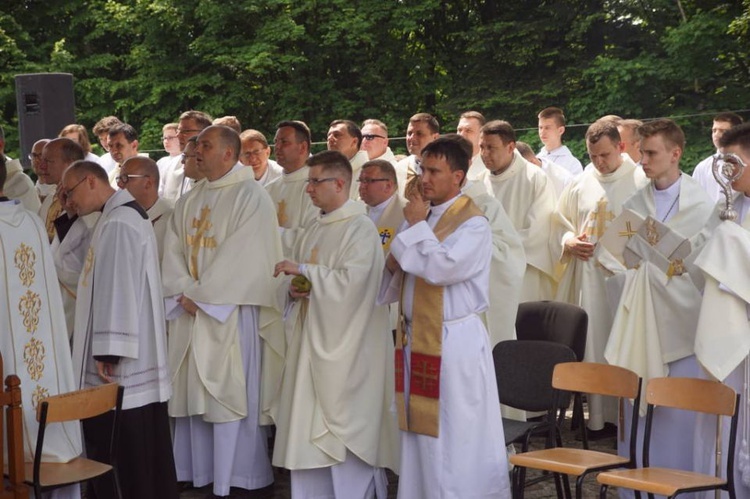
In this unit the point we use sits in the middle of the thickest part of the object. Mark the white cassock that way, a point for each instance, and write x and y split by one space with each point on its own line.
294 210
468 458
529 200
722 339
159 215
172 183
559 176
356 161
214 357
69 248
588 206
654 325
19 186
477 171
335 403
388 156
273 171
106 161
563 157
34 342
705 178
164 164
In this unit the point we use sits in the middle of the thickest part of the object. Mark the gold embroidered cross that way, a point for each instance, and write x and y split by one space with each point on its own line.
598 219
628 232
199 239
425 376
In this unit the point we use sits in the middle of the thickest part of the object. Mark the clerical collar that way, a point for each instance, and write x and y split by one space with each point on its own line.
667 201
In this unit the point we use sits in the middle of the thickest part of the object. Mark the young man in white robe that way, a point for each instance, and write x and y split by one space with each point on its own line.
335 429
658 300
345 137
702 172
584 212
218 311
294 211
452 442
422 129
34 342
722 340
529 200
551 130
120 335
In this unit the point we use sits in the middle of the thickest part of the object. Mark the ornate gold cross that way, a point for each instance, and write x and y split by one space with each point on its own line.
199 239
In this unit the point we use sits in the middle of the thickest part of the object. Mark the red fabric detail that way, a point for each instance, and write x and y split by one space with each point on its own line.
425 375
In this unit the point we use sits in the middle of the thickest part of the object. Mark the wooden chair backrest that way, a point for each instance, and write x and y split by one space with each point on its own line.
81 404
592 377
10 398
692 394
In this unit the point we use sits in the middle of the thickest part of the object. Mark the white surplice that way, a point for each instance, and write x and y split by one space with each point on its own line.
468 458
294 210
563 157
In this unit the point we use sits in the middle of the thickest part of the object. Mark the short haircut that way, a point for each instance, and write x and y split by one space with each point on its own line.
737 136
630 124
610 117
83 168
301 130
501 128
603 128
455 153
70 150
463 142
668 129
385 167
332 162
83 135
351 128
146 166
552 112
230 121
428 119
375 122
203 120
474 115
255 135
3 171
126 130
104 124
228 138
169 126
727 117
525 150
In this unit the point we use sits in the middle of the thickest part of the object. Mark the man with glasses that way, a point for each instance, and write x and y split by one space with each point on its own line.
190 124
334 427
218 311
120 336
123 144
294 211
255 154
375 140
140 176
345 137
378 188
172 145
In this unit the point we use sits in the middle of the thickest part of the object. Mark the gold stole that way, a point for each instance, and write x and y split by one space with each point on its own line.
426 338
55 210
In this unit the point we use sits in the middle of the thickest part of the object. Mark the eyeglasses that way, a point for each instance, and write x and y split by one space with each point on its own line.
123 179
181 131
256 152
169 138
317 181
35 155
68 192
372 136
367 181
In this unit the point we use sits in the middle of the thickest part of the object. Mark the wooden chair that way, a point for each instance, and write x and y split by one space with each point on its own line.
583 377
11 397
691 394
75 406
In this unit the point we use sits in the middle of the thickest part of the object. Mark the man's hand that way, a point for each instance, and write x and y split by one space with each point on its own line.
416 208
579 247
392 264
287 267
188 304
105 370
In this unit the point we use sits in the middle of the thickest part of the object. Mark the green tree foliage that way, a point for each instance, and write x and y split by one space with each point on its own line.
146 61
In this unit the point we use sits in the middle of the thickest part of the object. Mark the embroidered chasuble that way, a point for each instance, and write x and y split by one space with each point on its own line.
294 210
212 231
336 393
426 339
34 340
529 200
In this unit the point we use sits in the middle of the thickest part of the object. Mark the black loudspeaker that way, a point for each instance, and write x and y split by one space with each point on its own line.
46 104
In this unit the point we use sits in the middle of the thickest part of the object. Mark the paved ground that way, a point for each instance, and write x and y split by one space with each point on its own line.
546 489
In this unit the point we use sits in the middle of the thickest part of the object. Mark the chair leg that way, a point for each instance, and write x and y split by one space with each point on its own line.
579 486
118 490
603 491
558 486
566 484
515 490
